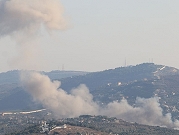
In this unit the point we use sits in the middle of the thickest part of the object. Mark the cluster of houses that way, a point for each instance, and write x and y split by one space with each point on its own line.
46 128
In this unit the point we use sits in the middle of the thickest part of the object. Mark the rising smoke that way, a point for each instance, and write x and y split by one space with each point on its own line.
23 20
27 16
80 102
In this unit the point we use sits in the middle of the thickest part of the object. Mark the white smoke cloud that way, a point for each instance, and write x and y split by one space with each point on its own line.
147 111
23 21
28 15
80 102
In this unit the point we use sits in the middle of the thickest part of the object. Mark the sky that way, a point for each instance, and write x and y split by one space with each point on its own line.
103 34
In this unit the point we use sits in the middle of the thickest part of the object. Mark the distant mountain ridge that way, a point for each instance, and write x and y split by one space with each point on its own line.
121 74
13 75
143 80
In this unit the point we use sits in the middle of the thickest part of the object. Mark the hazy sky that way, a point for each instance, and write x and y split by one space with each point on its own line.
101 34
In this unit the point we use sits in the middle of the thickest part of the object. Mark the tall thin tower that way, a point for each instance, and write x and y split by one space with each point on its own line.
125 63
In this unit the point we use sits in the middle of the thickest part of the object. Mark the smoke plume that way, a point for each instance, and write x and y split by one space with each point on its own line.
23 21
147 111
80 102
28 15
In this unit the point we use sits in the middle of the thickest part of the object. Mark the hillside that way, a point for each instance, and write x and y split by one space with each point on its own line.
95 125
145 71
112 86
13 97
143 80
13 76
76 130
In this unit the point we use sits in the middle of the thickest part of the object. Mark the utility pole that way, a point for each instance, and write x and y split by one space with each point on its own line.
125 63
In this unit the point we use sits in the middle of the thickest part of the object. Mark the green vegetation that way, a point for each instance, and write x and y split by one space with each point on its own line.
99 125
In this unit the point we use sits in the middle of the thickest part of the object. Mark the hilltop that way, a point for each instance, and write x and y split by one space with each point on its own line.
145 71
